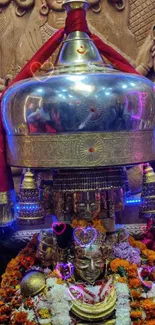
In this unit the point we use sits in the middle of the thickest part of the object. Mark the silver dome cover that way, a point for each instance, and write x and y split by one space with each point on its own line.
81 114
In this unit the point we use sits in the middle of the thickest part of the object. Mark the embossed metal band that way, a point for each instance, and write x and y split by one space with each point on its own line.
81 149
4 197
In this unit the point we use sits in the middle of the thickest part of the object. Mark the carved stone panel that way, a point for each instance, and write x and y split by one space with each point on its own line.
26 25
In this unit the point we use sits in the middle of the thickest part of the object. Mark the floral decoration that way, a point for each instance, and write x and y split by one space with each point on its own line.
95 223
135 298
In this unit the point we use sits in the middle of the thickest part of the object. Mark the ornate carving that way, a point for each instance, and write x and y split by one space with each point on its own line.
27 25
142 17
59 151
11 27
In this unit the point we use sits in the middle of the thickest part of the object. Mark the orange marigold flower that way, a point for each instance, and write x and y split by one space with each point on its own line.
150 322
26 261
134 283
132 270
139 322
136 314
29 303
151 260
148 252
75 223
148 304
16 301
135 304
82 223
117 262
139 244
20 317
135 293
4 319
131 240
150 313
5 310
97 224
2 303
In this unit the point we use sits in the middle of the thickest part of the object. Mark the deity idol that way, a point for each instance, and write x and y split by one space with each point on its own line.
84 195
81 260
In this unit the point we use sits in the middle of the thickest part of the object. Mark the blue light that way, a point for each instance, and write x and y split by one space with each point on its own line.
27 207
132 201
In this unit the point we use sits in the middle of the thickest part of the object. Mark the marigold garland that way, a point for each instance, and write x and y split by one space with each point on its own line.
142 306
96 223
14 272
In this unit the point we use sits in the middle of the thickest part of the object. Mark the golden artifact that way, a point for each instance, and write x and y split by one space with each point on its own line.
32 283
29 208
46 251
89 257
59 150
147 207
7 200
135 178
97 311
89 194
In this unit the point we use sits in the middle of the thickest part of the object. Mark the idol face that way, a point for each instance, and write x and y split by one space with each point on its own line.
86 206
89 263
55 5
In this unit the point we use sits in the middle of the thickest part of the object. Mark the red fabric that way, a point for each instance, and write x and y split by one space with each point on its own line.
4 178
6 182
49 129
75 21
113 56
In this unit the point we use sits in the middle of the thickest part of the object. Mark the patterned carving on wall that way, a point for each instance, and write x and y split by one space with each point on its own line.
26 25
142 18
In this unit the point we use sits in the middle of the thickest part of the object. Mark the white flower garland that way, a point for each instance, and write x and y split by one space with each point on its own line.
122 304
58 302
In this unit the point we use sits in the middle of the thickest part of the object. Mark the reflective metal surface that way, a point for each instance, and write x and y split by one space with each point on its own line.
94 102
81 114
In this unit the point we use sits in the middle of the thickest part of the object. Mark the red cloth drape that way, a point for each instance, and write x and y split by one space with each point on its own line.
75 21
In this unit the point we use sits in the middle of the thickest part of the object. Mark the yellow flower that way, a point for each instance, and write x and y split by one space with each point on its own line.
75 223
59 281
117 262
44 313
98 225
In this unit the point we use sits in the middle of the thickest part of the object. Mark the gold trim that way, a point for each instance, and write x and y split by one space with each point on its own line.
4 198
98 311
147 211
26 218
80 150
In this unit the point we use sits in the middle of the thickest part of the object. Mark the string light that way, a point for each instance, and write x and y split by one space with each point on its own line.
132 201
